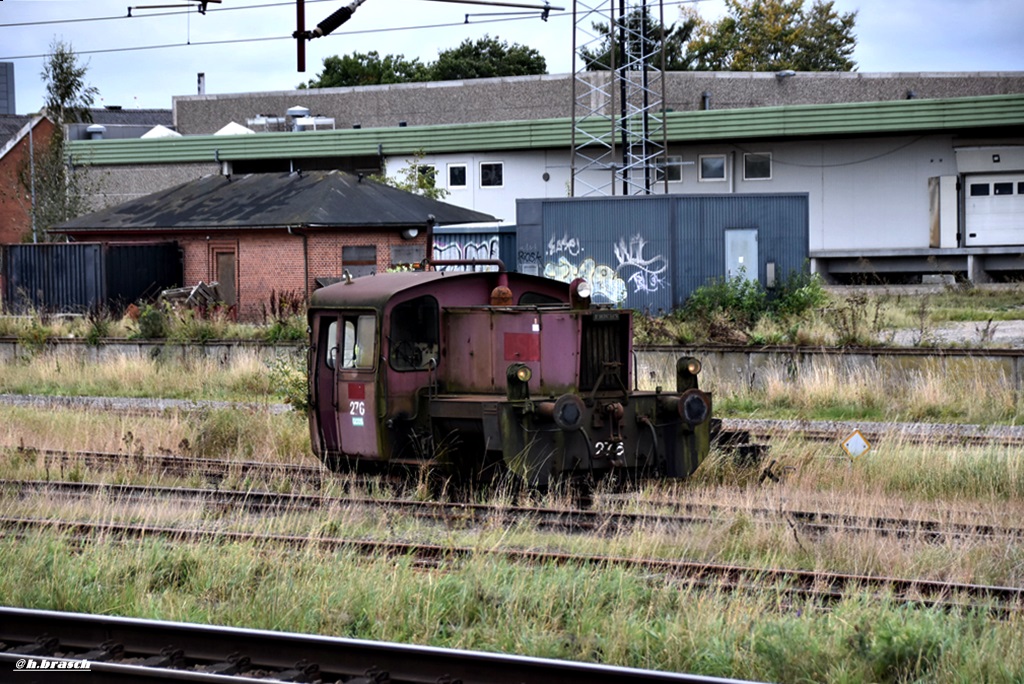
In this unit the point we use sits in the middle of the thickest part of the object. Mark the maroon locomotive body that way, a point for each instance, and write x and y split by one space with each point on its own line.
487 373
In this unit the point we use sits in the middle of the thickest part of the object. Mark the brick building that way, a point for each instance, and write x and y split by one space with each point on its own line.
261 234
16 132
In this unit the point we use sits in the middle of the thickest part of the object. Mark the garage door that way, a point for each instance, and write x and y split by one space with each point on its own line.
994 209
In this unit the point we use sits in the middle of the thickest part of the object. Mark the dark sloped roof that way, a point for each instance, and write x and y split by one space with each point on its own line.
10 124
265 200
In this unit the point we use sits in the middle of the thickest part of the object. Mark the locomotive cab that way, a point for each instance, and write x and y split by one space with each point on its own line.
484 373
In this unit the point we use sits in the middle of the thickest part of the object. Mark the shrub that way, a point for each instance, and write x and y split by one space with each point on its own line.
153 323
288 378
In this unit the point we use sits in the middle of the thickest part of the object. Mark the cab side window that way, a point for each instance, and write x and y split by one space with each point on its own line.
415 333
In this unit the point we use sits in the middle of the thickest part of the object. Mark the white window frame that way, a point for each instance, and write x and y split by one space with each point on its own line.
700 168
448 178
668 165
480 168
771 166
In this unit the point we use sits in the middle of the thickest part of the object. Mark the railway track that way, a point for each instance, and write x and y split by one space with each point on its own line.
117 650
821 586
927 433
812 523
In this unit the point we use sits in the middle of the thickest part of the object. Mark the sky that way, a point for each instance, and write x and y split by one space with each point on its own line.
246 45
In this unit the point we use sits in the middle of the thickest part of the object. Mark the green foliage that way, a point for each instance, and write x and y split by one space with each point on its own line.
739 300
772 35
67 97
36 334
98 327
415 177
800 293
285 317
153 323
289 380
642 35
486 58
360 69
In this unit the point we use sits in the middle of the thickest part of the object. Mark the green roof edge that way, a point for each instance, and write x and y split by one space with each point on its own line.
845 119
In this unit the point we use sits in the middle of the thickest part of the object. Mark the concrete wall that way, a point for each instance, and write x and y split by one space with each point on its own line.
724 369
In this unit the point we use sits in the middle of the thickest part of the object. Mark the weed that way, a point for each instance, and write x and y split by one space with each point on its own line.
288 379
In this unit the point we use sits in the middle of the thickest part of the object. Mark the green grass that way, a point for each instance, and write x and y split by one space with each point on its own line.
605 615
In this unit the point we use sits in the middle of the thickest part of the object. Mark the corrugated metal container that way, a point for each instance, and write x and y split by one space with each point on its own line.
474 242
81 277
53 277
140 272
651 252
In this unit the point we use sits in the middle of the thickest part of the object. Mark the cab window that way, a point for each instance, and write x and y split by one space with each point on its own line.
415 332
357 341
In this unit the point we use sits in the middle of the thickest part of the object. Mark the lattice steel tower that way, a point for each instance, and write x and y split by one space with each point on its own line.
618 114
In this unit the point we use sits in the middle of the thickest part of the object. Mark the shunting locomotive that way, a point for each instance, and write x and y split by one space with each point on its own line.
487 373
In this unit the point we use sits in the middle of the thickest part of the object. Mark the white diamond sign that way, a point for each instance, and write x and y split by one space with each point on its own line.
855 444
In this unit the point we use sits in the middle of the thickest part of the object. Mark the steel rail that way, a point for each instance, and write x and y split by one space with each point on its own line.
330 658
714 574
564 520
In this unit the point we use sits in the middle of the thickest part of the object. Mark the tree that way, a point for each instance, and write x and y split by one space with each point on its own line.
48 180
771 35
487 58
639 22
67 97
370 68
415 177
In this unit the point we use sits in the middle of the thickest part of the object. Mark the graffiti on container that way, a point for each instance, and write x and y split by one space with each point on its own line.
564 244
473 248
608 287
529 258
649 273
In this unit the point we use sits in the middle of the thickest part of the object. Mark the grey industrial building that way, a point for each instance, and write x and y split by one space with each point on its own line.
902 175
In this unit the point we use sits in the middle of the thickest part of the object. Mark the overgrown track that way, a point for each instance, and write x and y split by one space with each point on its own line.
123 650
823 586
811 523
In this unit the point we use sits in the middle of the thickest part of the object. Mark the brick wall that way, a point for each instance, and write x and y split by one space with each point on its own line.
269 262
15 202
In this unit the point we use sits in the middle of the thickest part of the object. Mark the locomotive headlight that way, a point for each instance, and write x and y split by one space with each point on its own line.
579 293
517 377
693 366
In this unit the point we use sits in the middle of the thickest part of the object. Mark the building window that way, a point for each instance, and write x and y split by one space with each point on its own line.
979 189
492 174
757 166
408 255
456 175
426 176
1002 188
669 168
359 260
712 167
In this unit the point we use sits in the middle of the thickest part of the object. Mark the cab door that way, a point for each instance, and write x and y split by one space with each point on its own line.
356 386
325 385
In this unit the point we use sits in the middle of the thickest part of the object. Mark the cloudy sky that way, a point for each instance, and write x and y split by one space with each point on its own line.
245 45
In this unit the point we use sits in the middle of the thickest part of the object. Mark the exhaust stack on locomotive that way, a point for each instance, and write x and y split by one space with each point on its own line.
487 373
